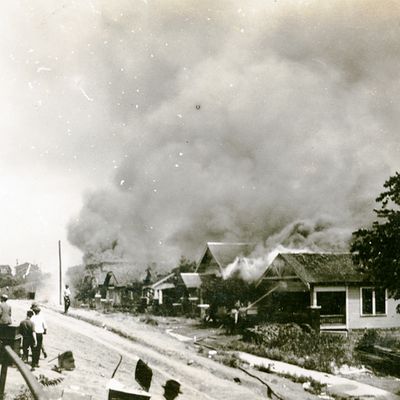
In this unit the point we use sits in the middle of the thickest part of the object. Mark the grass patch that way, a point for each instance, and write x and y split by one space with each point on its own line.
374 337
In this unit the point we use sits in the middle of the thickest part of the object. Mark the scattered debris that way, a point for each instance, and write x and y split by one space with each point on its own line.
65 362
46 381
149 321
212 353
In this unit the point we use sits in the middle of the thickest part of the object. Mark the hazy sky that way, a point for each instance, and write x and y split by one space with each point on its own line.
142 129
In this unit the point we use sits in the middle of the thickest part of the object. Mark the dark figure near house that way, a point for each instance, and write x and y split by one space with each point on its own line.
211 313
172 389
67 298
27 330
5 311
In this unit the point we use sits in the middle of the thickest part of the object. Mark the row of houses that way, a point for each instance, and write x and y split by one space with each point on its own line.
323 289
21 270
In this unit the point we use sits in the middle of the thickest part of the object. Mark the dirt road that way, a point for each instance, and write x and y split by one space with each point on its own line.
97 350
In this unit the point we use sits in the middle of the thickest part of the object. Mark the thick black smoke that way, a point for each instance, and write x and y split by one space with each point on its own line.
238 119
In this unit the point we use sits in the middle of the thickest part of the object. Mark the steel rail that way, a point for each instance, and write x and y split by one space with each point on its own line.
34 386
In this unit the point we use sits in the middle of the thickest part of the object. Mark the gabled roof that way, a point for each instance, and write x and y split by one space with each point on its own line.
122 274
224 254
191 280
312 268
162 281
25 269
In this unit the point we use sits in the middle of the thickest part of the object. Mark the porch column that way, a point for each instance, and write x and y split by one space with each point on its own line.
97 300
313 297
314 311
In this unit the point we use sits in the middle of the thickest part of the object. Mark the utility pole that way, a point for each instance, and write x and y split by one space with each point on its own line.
59 260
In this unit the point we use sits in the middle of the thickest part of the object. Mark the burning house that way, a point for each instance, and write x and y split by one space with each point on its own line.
176 293
327 288
114 283
218 255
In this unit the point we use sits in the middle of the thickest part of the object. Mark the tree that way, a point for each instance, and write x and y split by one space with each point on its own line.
185 265
81 283
377 250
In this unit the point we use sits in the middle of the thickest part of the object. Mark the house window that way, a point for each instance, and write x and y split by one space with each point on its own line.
373 301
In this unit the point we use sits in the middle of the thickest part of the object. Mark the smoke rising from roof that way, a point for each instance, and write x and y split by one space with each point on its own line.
238 120
304 236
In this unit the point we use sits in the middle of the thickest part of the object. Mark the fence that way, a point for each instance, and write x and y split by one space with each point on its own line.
34 386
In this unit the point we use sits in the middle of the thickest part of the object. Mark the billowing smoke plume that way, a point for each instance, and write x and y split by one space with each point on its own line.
305 236
239 119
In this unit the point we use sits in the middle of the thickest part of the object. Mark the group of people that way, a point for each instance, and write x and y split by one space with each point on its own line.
32 329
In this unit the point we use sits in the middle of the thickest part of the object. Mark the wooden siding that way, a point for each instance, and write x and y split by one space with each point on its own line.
356 321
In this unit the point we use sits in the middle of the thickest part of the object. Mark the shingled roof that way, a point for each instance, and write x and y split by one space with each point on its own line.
319 267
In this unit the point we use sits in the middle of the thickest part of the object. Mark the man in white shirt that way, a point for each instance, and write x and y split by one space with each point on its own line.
67 298
40 328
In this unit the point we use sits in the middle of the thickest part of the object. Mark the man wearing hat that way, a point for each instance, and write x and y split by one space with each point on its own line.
172 389
27 330
5 311
40 328
33 306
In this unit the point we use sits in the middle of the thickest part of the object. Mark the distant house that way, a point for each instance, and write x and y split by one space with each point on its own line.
115 282
163 290
26 269
331 288
217 256
177 292
5 270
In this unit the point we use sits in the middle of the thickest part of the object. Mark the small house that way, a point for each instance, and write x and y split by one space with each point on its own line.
115 283
329 287
5 270
26 270
163 290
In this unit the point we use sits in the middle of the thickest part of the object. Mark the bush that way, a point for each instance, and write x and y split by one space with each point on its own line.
20 293
290 343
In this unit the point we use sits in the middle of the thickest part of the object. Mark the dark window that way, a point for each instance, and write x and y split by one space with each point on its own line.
380 301
367 301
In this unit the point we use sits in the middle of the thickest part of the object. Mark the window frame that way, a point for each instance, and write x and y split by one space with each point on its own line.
373 314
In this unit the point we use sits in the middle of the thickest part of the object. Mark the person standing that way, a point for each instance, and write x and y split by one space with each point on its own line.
40 329
5 311
33 306
67 298
27 330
